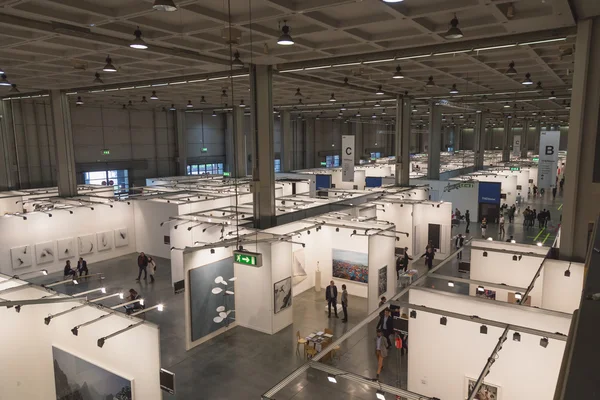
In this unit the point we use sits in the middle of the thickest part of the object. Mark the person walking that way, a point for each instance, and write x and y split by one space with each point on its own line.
152 266
547 218
405 259
554 192
460 241
540 218
429 255
467 220
82 267
386 325
380 351
345 303
331 296
382 301
142 265
501 221
483 227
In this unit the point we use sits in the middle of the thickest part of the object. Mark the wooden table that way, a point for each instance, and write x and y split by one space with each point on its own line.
320 340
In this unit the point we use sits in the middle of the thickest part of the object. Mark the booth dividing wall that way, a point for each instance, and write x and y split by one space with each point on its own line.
9 205
443 357
432 221
41 241
26 345
382 269
401 215
464 197
562 293
148 232
359 180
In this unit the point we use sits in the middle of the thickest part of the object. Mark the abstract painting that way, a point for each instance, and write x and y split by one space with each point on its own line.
44 252
282 291
382 281
105 240
21 257
351 265
87 244
121 237
298 266
66 248
75 378
485 392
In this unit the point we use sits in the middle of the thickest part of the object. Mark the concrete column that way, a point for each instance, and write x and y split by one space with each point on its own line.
263 172
6 176
435 138
506 139
402 140
582 173
63 138
235 143
287 145
309 143
525 139
359 142
181 160
458 139
536 135
479 141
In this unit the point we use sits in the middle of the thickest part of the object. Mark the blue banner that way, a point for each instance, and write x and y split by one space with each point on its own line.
323 182
489 192
373 181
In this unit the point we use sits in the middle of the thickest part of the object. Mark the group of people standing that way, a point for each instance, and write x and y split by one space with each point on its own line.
144 262
530 216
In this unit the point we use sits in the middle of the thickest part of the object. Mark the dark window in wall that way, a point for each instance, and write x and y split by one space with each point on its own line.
205 169
434 235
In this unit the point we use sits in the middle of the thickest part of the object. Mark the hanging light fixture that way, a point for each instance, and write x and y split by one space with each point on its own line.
343 108
332 98
202 100
383 112
164 5
172 108
4 81
285 39
236 62
373 116
109 67
79 101
358 113
377 104
97 78
1 71
144 99
430 82
379 91
506 105
14 89
539 87
154 96
511 69
346 82
527 80
189 104
398 74
129 104
224 94
242 105
552 96
454 32
214 114
298 93
138 43
454 90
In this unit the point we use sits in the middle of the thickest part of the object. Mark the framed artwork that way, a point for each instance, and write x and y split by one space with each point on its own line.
486 391
298 266
105 240
66 248
382 281
487 294
75 378
121 237
44 252
87 244
282 291
351 265
21 257
434 234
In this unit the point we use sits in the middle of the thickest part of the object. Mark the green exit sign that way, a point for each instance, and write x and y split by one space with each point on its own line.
247 258
106 152
515 168
467 185
536 159
205 149
323 164
226 174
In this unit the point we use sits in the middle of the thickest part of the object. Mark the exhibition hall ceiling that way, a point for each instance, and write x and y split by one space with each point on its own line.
64 43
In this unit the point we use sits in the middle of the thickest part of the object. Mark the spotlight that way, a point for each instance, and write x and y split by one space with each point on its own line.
480 289
413 314
568 273
331 378
101 342
515 258
354 232
308 231
75 331
539 244
443 321
337 229
544 342
47 320
518 296
485 253
212 251
380 395
483 330
450 283
18 309
285 39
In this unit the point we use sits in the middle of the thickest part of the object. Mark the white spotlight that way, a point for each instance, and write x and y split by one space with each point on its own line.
331 378
450 283
160 307
539 244
121 296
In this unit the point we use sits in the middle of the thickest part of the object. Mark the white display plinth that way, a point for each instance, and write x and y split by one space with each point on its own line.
318 281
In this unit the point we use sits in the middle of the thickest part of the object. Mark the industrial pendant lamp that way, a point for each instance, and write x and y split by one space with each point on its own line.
527 80
539 87
154 96
398 74
552 96
144 99
4 81
138 43
343 108
511 69
285 39
214 114
236 62
358 113
454 32
79 101
1 71
189 104
202 100
164 5
346 82
172 108
454 90
430 82
380 91
14 89
242 105
109 67
98 79
377 104
130 104
332 98
224 94
298 93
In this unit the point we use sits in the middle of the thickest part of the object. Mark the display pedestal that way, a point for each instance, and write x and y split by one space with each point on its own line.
318 281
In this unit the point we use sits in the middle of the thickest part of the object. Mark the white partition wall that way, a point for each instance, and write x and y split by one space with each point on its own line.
426 216
443 357
560 292
149 233
382 269
401 215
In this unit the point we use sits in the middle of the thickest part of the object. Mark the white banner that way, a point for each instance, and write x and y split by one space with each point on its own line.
517 146
549 144
347 158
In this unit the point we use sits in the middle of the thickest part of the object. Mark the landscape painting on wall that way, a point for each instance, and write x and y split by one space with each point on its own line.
121 237
485 392
351 265
75 378
298 266
105 240
382 282
282 291
44 252
66 249
86 244
21 257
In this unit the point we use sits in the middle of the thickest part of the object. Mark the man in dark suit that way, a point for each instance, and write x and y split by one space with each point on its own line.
331 296
386 324
82 266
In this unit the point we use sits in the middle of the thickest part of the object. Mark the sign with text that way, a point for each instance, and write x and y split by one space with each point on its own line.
347 158
517 145
549 143
247 258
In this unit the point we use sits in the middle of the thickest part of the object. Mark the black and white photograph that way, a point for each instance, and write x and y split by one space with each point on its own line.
66 248
121 237
21 257
282 291
105 240
44 252
486 391
382 281
87 244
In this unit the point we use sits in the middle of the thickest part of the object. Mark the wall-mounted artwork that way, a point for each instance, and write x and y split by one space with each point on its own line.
486 391
382 281
66 248
87 244
21 257
75 378
282 291
487 294
351 265
298 266
105 240
44 252
121 237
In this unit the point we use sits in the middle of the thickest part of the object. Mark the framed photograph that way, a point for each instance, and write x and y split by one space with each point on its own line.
486 391
75 378
21 257
66 248
121 237
298 266
382 281
87 244
282 291
45 253
351 265
105 240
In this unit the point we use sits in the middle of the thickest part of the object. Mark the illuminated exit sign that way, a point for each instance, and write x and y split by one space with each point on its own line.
247 258
106 152
226 174
515 168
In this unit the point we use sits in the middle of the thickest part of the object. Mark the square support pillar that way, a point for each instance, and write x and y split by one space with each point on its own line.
181 160
525 139
402 140
235 141
287 142
63 138
309 143
479 141
435 140
506 139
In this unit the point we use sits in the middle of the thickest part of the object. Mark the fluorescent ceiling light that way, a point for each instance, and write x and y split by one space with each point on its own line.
378 61
177 83
503 46
319 67
292 70
218 78
346 64
238 76
112 90
127 88
143 86
159 84
543 41
411 57
197 80
451 52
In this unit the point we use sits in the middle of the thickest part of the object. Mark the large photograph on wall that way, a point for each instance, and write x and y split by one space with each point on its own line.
282 291
351 265
203 302
21 257
382 281
66 248
44 252
86 244
298 266
77 379
486 391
